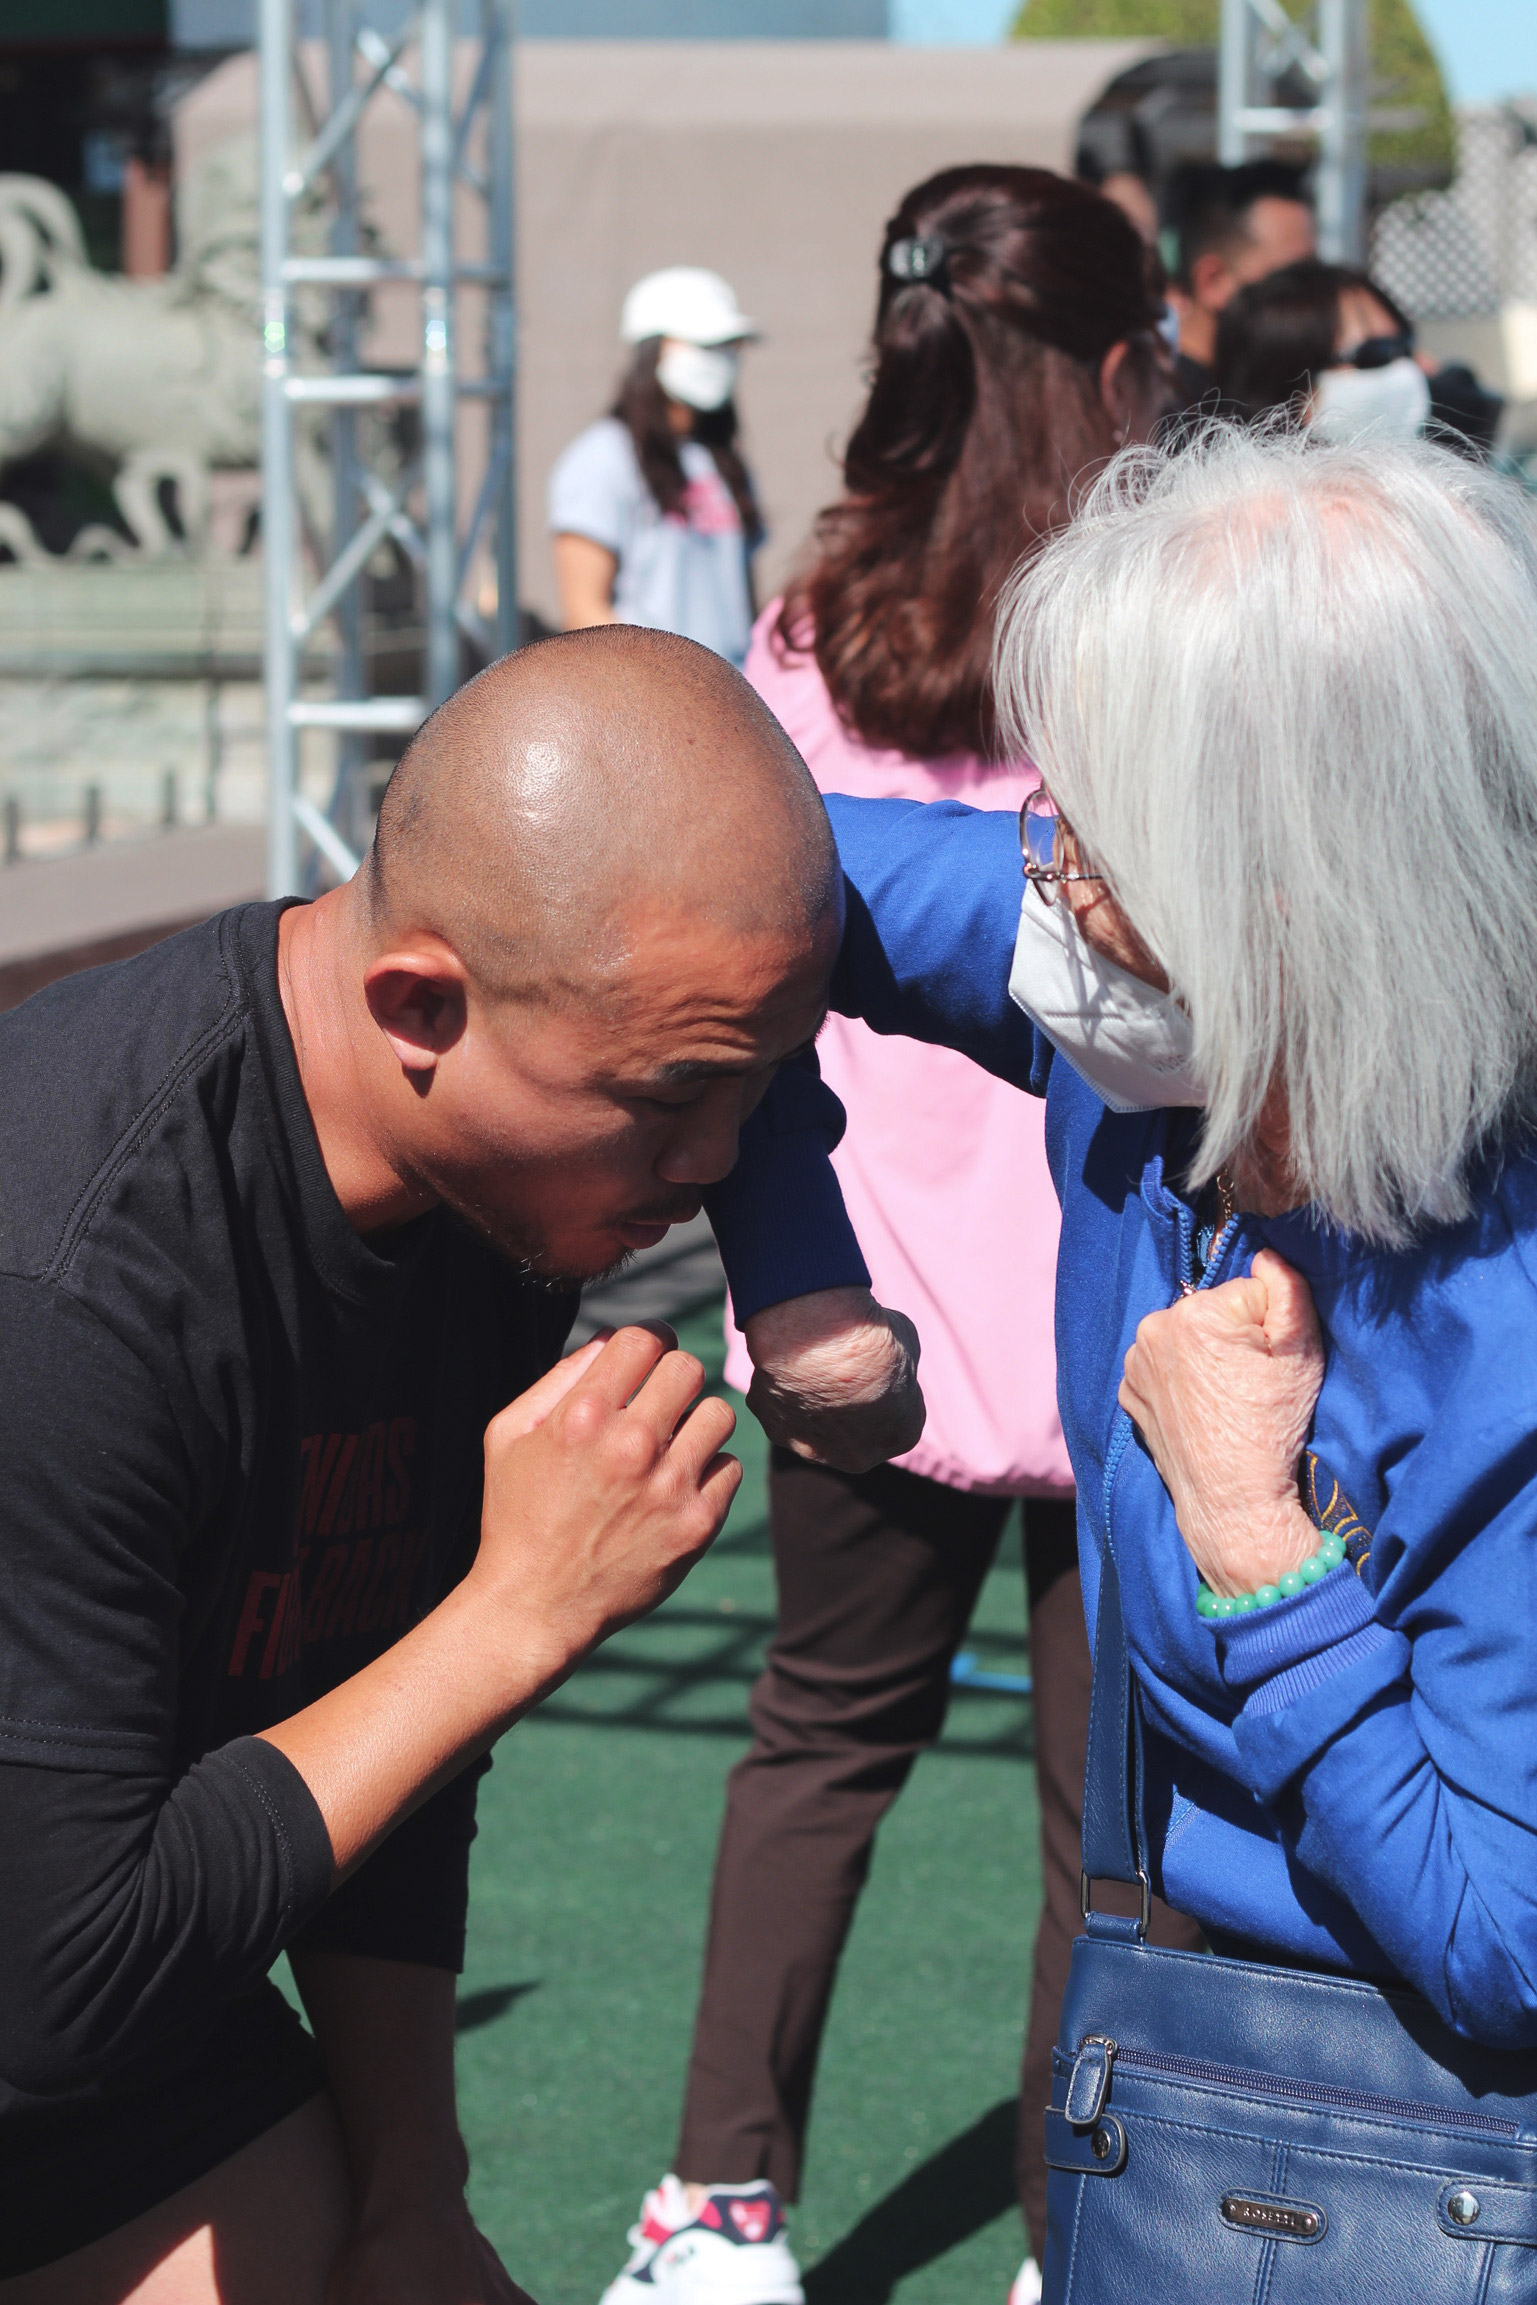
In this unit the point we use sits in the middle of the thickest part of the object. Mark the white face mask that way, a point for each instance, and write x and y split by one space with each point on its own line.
1130 1042
702 376
1391 403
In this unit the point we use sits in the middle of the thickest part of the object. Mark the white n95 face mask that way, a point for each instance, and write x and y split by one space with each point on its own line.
702 376
1391 403
1130 1042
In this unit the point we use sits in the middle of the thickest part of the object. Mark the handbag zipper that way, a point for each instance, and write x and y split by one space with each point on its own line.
1322 2093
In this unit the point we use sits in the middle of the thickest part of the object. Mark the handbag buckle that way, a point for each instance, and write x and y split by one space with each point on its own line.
1086 1900
1089 2085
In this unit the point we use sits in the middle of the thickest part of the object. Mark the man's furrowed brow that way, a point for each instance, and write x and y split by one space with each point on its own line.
696 1072
693 1072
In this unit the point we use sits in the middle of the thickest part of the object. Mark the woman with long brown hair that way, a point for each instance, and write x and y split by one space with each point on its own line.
652 511
1016 347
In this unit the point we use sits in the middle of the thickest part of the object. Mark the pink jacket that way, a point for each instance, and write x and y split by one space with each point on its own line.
944 1170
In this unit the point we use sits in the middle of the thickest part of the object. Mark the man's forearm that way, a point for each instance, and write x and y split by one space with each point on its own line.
603 1485
374 1749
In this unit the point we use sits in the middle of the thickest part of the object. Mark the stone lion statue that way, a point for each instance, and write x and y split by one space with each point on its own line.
150 381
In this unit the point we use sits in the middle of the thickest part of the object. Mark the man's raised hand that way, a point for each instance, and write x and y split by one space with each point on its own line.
605 1483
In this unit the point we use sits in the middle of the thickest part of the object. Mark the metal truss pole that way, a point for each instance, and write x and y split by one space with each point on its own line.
1342 136
1261 43
316 364
498 33
279 500
1235 75
438 410
348 802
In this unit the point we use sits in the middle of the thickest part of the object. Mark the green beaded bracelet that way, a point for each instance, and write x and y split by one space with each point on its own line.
1312 1572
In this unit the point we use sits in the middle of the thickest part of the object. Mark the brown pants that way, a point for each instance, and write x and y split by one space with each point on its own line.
878 1578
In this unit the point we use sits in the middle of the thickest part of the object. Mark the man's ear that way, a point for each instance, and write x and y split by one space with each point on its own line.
1115 389
417 997
1212 280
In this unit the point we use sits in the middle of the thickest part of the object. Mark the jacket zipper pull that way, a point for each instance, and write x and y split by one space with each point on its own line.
1089 2084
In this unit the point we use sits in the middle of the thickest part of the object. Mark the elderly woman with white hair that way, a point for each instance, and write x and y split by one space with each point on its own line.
1284 697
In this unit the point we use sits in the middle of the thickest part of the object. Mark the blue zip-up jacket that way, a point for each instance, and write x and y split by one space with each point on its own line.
1350 1777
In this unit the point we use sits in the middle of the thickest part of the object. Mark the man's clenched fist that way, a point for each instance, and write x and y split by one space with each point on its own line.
604 1484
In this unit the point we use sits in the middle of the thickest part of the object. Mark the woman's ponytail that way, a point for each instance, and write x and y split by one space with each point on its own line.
925 386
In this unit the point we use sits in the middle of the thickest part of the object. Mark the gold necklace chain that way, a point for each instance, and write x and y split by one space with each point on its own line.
1227 1197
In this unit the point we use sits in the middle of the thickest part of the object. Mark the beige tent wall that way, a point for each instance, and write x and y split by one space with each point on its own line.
774 162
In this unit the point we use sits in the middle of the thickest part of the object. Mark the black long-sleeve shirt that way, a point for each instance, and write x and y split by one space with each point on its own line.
240 1454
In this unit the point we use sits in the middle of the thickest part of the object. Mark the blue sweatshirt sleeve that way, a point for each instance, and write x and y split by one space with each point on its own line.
933 893
779 1219
1390 1734
932 910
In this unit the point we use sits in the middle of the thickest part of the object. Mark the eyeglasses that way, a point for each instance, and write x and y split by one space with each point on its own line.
1044 835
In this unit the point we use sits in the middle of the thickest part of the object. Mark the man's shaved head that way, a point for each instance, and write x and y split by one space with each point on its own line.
601 909
584 788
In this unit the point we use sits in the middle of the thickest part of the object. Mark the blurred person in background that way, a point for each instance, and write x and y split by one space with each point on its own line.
1016 347
1325 342
1231 226
652 509
1133 195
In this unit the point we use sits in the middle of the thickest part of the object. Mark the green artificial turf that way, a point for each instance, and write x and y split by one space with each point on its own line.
588 1896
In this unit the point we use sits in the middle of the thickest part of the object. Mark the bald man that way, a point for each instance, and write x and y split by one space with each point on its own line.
301 1510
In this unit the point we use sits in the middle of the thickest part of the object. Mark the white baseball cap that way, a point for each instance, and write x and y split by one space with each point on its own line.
696 306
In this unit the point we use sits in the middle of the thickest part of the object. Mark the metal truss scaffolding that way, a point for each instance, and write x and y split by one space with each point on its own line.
330 459
1261 44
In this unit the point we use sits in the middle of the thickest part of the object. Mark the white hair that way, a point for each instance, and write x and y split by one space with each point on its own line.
1286 694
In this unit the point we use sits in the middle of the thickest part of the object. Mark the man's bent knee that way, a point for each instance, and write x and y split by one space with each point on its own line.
263 2228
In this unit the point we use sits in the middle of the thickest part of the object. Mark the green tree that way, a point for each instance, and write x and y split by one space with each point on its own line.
1405 73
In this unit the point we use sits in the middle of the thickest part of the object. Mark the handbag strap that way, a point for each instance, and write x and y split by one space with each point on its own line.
1114 1842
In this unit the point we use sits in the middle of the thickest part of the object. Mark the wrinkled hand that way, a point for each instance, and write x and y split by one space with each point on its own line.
836 1378
604 1484
421 2254
1222 1388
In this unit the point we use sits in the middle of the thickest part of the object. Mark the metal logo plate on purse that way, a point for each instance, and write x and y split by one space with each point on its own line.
1281 2220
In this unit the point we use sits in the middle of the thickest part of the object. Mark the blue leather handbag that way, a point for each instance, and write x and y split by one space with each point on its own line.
1222 2132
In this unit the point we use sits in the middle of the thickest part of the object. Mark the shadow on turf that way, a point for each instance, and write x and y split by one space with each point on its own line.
727 1650
472 2010
963 2187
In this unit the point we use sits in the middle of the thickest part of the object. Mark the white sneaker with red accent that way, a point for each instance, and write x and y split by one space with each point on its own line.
731 2251
1027 2284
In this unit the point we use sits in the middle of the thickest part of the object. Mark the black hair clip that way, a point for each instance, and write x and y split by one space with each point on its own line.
914 260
